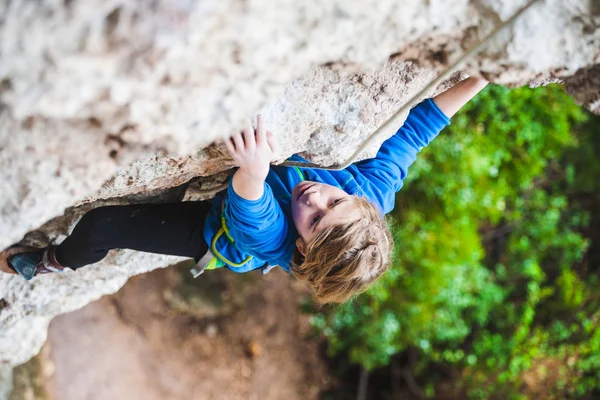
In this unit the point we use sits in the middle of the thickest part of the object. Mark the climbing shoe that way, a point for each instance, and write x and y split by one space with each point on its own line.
31 262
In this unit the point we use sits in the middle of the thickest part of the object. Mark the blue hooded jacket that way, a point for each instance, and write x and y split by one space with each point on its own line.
248 234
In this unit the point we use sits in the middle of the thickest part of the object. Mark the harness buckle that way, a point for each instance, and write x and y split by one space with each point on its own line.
200 266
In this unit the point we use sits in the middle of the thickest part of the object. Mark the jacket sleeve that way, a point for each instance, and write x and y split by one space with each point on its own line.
258 226
387 171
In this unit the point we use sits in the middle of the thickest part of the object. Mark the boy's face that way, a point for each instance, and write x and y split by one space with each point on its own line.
316 206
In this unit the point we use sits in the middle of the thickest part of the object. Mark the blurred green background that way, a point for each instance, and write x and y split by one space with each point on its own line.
494 288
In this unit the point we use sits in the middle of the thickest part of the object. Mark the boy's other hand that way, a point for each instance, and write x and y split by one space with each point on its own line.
452 100
253 150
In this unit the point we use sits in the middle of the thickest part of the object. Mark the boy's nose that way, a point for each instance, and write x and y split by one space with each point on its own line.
316 200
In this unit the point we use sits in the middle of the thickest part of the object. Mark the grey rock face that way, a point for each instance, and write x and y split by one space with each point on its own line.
101 100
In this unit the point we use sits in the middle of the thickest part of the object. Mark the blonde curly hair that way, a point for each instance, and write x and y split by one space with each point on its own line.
345 259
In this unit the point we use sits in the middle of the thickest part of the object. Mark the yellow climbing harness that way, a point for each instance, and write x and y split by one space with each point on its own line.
218 260
214 263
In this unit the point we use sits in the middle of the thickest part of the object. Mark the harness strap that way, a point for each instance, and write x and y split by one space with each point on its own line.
300 174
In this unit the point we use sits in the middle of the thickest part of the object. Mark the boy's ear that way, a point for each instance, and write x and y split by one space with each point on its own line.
301 246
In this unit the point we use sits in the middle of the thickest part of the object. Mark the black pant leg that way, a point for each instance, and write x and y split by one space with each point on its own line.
173 229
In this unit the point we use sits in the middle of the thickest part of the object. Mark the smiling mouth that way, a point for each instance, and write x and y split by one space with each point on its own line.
302 191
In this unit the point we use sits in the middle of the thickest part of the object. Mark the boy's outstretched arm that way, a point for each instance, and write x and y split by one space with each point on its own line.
386 172
458 95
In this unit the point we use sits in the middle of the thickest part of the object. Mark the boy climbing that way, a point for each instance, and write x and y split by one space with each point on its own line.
324 227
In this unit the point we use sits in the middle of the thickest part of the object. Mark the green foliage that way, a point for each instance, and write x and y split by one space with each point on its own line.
488 270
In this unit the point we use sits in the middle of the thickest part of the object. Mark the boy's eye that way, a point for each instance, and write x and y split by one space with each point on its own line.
335 202
315 220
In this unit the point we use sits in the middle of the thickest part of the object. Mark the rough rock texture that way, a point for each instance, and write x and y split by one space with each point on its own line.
87 87
584 86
